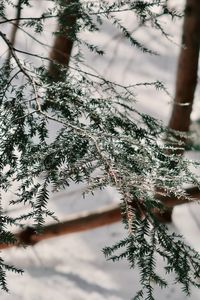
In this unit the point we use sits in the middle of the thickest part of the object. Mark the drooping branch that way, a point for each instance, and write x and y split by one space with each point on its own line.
89 220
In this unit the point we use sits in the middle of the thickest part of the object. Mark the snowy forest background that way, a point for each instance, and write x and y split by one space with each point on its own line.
73 266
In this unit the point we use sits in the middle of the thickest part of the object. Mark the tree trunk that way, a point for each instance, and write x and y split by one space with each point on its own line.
90 220
63 43
186 78
187 70
15 26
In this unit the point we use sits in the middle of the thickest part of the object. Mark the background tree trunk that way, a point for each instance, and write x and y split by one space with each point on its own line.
186 78
187 70
63 43
15 26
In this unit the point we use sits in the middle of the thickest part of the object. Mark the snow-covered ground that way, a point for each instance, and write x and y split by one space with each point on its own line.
73 267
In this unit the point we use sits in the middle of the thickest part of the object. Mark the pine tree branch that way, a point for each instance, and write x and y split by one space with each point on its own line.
43 17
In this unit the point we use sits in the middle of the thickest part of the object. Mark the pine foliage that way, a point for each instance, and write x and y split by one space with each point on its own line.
102 140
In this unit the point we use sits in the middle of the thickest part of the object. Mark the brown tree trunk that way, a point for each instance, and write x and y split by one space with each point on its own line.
186 78
187 70
90 220
63 43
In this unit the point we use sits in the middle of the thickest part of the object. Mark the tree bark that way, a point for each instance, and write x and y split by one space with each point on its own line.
90 220
63 43
186 78
75 223
187 69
